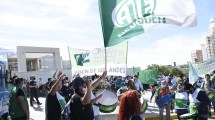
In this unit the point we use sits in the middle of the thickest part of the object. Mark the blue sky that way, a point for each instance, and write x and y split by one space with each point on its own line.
76 23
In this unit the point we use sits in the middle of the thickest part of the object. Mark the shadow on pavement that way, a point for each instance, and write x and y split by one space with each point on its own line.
38 108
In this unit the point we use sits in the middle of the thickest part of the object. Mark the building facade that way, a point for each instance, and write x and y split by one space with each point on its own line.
204 52
196 56
210 39
35 59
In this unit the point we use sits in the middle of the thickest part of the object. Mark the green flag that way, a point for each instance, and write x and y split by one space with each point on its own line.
149 76
123 19
136 70
82 58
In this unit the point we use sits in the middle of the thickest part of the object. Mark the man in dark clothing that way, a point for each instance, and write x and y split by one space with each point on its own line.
55 103
81 106
199 102
33 91
66 92
19 109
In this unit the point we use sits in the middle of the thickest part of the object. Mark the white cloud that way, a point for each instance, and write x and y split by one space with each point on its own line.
59 23
27 22
165 51
75 8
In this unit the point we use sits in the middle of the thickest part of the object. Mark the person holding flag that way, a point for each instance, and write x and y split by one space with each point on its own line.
199 102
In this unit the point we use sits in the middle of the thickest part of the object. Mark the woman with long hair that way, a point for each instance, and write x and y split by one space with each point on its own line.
130 106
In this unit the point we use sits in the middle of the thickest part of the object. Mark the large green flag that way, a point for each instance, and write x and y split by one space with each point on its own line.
149 76
136 70
123 19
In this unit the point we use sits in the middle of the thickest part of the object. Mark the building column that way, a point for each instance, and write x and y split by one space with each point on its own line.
57 60
21 59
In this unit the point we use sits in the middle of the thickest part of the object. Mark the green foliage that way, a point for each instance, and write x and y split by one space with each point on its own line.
166 70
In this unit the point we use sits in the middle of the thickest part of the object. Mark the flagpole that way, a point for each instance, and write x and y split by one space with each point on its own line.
105 59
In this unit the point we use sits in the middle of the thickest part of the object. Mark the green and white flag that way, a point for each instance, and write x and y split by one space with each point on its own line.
85 62
149 76
123 19
193 76
82 58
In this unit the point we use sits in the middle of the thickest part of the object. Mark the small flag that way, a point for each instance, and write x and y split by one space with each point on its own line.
193 76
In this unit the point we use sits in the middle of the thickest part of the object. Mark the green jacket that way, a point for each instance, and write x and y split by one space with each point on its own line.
15 109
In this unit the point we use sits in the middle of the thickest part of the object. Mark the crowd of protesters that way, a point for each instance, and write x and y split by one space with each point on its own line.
76 100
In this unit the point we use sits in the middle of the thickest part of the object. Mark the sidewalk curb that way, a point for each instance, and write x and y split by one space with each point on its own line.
172 116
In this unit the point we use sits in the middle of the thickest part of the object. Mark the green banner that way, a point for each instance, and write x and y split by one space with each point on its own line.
149 76
123 19
85 62
136 70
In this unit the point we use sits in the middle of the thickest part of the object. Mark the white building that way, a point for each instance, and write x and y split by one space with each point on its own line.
204 52
35 59
210 39
196 56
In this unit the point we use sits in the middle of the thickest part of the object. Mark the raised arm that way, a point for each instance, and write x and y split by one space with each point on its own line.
87 96
55 87
96 82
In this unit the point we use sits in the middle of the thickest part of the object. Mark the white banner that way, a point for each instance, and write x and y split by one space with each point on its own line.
205 67
85 62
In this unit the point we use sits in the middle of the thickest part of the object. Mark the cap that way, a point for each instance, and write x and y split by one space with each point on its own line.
77 82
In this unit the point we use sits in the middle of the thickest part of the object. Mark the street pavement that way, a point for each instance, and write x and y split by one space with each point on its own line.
152 112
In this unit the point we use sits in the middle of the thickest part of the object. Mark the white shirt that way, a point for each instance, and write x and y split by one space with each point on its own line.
95 108
193 97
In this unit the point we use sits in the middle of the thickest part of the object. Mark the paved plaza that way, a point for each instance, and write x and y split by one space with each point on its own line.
38 112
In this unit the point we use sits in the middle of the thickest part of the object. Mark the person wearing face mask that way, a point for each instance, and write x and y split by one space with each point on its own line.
199 102
82 102
181 98
65 91
121 90
18 108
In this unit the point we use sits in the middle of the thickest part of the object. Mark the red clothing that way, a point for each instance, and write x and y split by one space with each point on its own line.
164 91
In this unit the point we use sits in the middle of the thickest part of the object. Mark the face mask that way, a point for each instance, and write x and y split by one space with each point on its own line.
67 84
